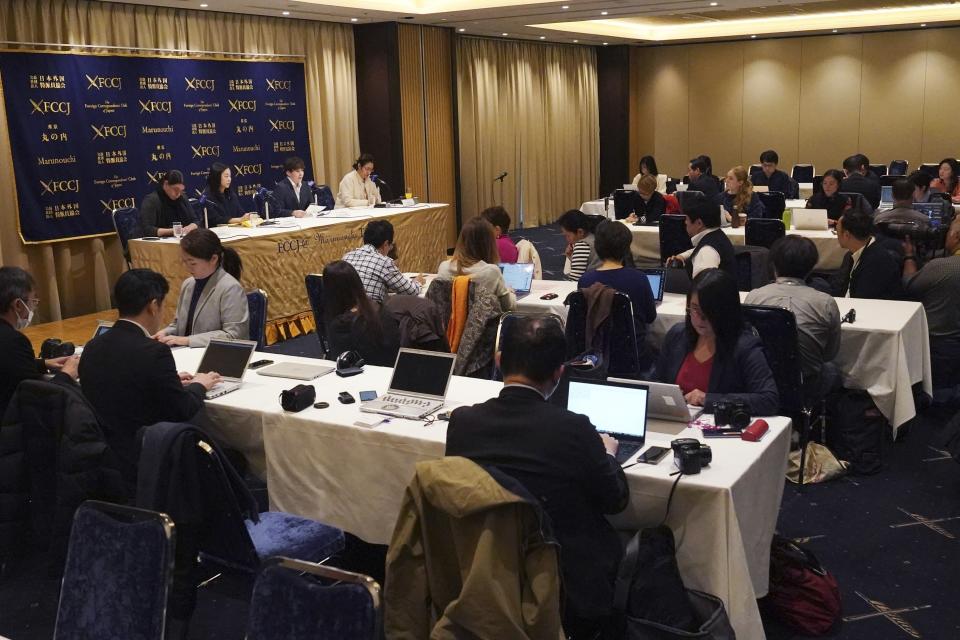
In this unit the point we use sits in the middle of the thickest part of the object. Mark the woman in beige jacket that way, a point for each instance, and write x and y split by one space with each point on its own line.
356 188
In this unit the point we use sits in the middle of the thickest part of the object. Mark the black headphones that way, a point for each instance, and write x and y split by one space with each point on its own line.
349 363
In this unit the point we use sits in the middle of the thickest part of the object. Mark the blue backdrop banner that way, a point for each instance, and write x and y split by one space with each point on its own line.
92 133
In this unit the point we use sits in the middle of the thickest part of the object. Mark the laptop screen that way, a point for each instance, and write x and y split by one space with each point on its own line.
227 358
613 407
422 372
519 276
101 329
930 209
886 193
655 277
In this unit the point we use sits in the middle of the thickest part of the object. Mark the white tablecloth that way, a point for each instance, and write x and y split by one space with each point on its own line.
320 465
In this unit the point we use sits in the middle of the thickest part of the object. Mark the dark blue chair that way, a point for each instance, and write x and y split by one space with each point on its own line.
763 232
506 324
126 222
753 266
324 196
314 284
257 304
118 574
932 169
817 184
754 170
673 236
888 180
878 170
803 172
684 196
774 204
898 168
615 340
263 199
296 600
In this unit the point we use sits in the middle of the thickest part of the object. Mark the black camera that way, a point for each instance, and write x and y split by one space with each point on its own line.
298 398
731 412
918 232
55 348
690 455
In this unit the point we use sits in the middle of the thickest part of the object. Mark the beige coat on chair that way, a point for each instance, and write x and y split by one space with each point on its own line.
527 253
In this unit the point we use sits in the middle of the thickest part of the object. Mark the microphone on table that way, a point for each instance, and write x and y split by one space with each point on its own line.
383 183
501 176
264 193
203 203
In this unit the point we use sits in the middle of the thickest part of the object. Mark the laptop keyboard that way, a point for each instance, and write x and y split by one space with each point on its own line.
626 450
406 400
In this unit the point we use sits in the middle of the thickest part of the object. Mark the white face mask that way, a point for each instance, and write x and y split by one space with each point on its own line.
23 323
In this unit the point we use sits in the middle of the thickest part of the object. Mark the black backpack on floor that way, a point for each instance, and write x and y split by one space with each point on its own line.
856 430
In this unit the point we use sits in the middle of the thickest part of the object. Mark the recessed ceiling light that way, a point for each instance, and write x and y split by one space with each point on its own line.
204 5
286 13
603 13
353 19
713 4
543 37
461 29
504 33
605 43
753 36
565 7
576 41
834 30
924 24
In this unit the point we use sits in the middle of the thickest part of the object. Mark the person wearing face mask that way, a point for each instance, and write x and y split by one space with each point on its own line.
166 206
558 456
18 301
212 303
356 188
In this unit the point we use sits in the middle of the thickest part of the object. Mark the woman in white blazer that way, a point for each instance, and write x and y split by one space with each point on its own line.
649 166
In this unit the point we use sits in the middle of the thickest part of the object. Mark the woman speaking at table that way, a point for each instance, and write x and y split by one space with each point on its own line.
356 188
223 204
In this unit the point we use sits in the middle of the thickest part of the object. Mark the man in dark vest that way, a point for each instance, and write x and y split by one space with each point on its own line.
712 248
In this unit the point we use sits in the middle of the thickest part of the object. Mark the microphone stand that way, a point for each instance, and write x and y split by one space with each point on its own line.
500 180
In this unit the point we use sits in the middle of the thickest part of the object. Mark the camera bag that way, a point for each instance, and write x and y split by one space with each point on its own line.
856 431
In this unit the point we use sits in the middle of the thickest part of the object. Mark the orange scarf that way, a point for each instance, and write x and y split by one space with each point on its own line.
459 301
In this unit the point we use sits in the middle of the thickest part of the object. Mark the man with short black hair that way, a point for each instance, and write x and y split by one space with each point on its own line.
165 206
558 456
921 185
902 211
291 194
817 313
869 269
712 248
130 378
378 272
771 177
700 178
860 179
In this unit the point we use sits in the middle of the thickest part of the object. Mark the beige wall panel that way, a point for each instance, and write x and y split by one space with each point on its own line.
771 100
891 103
642 139
670 83
716 103
941 134
411 110
830 100
440 162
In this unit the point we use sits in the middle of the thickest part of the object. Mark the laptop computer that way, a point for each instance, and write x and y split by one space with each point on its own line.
655 278
229 358
518 276
295 371
418 386
102 327
665 401
810 219
886 195
616 408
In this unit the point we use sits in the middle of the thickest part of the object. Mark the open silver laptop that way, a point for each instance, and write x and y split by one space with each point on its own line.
418 386
810 219
295 371
665 401
518 276
229 358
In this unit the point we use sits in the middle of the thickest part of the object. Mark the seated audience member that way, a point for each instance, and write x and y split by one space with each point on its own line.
500 219
613 248
648 167
212 302
223 204
771 177
166 205
902 210
353 321
869 269
700 178
829 197
739 198
712 248
921 186
18 302
130 379
937 287
652 204
859 179
476 256
948 181
356 188
714 355
577 228
291 194
817 313
378 272
559 457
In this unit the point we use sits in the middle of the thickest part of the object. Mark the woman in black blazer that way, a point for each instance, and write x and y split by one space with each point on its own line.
714 356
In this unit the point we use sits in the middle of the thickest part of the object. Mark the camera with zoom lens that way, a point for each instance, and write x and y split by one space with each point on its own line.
918 232
56 348
690 455
731 412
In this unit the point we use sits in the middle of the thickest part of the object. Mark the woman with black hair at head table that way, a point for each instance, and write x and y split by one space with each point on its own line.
354 321
212 302
356 188
714 356
223 204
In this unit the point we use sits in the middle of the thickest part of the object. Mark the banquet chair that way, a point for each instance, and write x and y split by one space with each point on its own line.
888 180
261 199
257 304
803 172
817 184
755 169
753 266
297 600
763 232
475 350
314 285
673 236
324 196
878 170
126 222
683 196
625 202
505 325
932 169
898 168
774 204
615 340
118 573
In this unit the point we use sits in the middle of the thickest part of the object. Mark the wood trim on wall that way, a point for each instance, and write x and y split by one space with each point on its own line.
613 102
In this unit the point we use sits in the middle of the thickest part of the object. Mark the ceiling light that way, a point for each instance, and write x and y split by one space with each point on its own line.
353 19
713 4
576 41
565 7
753 36
543 37
461 29
504 33
605 43
204 5
286 13
603 13
834 30
924 24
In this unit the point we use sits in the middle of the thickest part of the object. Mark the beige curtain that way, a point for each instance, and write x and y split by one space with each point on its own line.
531 110
76 277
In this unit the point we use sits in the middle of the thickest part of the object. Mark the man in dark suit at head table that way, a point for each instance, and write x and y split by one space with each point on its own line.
292 195
559 457
130 378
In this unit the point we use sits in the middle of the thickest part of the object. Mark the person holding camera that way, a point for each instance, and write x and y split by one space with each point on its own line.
18 302
713 356
937 287
559 457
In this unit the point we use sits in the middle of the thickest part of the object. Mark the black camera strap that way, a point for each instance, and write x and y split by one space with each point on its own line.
670 497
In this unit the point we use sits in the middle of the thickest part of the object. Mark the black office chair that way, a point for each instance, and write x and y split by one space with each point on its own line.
755 169
763 232
817 183
803 172
506 325
888 180
878 170
673 235
898 168
314 284
753 267
857 201
774 204
671 185
932 169
615 340
685 196
625 202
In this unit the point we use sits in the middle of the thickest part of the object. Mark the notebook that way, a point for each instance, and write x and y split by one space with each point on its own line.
418 386
616 408
229 358
665 401
518 276
810 219
655 277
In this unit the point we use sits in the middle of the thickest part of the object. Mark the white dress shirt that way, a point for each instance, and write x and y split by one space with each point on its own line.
707 258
